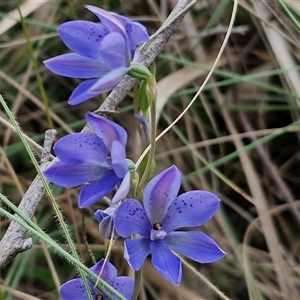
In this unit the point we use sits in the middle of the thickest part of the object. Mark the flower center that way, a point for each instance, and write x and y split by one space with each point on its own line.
99 297
157 226
157 232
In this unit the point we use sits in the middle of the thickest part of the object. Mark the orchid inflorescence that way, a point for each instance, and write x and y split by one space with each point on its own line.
151 216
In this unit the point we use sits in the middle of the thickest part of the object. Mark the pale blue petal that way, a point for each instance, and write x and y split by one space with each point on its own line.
106 222
113 51
106 130
107 269
122 191
130 218
94 192
136 32
124 285
118 159
195 245
160 192
165 262
76 66
67 175
82 92
137 56
83 37
109 81
76 148
109 20
101 214
106 228
74 289
136 251
190 209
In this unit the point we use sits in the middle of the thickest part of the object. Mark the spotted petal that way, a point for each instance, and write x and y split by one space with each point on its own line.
130 218
83 37
190 209
136 32
74 289
195 245
77 148
124 285
160 192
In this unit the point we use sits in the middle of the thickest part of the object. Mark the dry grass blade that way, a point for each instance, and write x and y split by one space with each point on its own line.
13 16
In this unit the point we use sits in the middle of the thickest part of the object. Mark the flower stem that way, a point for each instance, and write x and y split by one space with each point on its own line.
152 102
137 284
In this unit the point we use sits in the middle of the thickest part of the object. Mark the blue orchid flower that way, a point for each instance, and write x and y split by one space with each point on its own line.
157 219
102 53
96 160
74 288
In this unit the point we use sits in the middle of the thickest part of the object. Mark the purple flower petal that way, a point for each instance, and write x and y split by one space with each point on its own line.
106 130
67 175
124 285
94 192
195 245
109 20
101 214
83 37
82 92
74 289
130 218
106 228
113 51
160 192
109 80
105 269
76 66
137 34
190 209
118 159
122 191
106 222
136 251
137 56
76 148
165 262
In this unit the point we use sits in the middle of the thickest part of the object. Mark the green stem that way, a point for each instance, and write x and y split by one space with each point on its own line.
137 284
145 175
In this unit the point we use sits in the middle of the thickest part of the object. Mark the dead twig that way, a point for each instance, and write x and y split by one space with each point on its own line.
13 241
